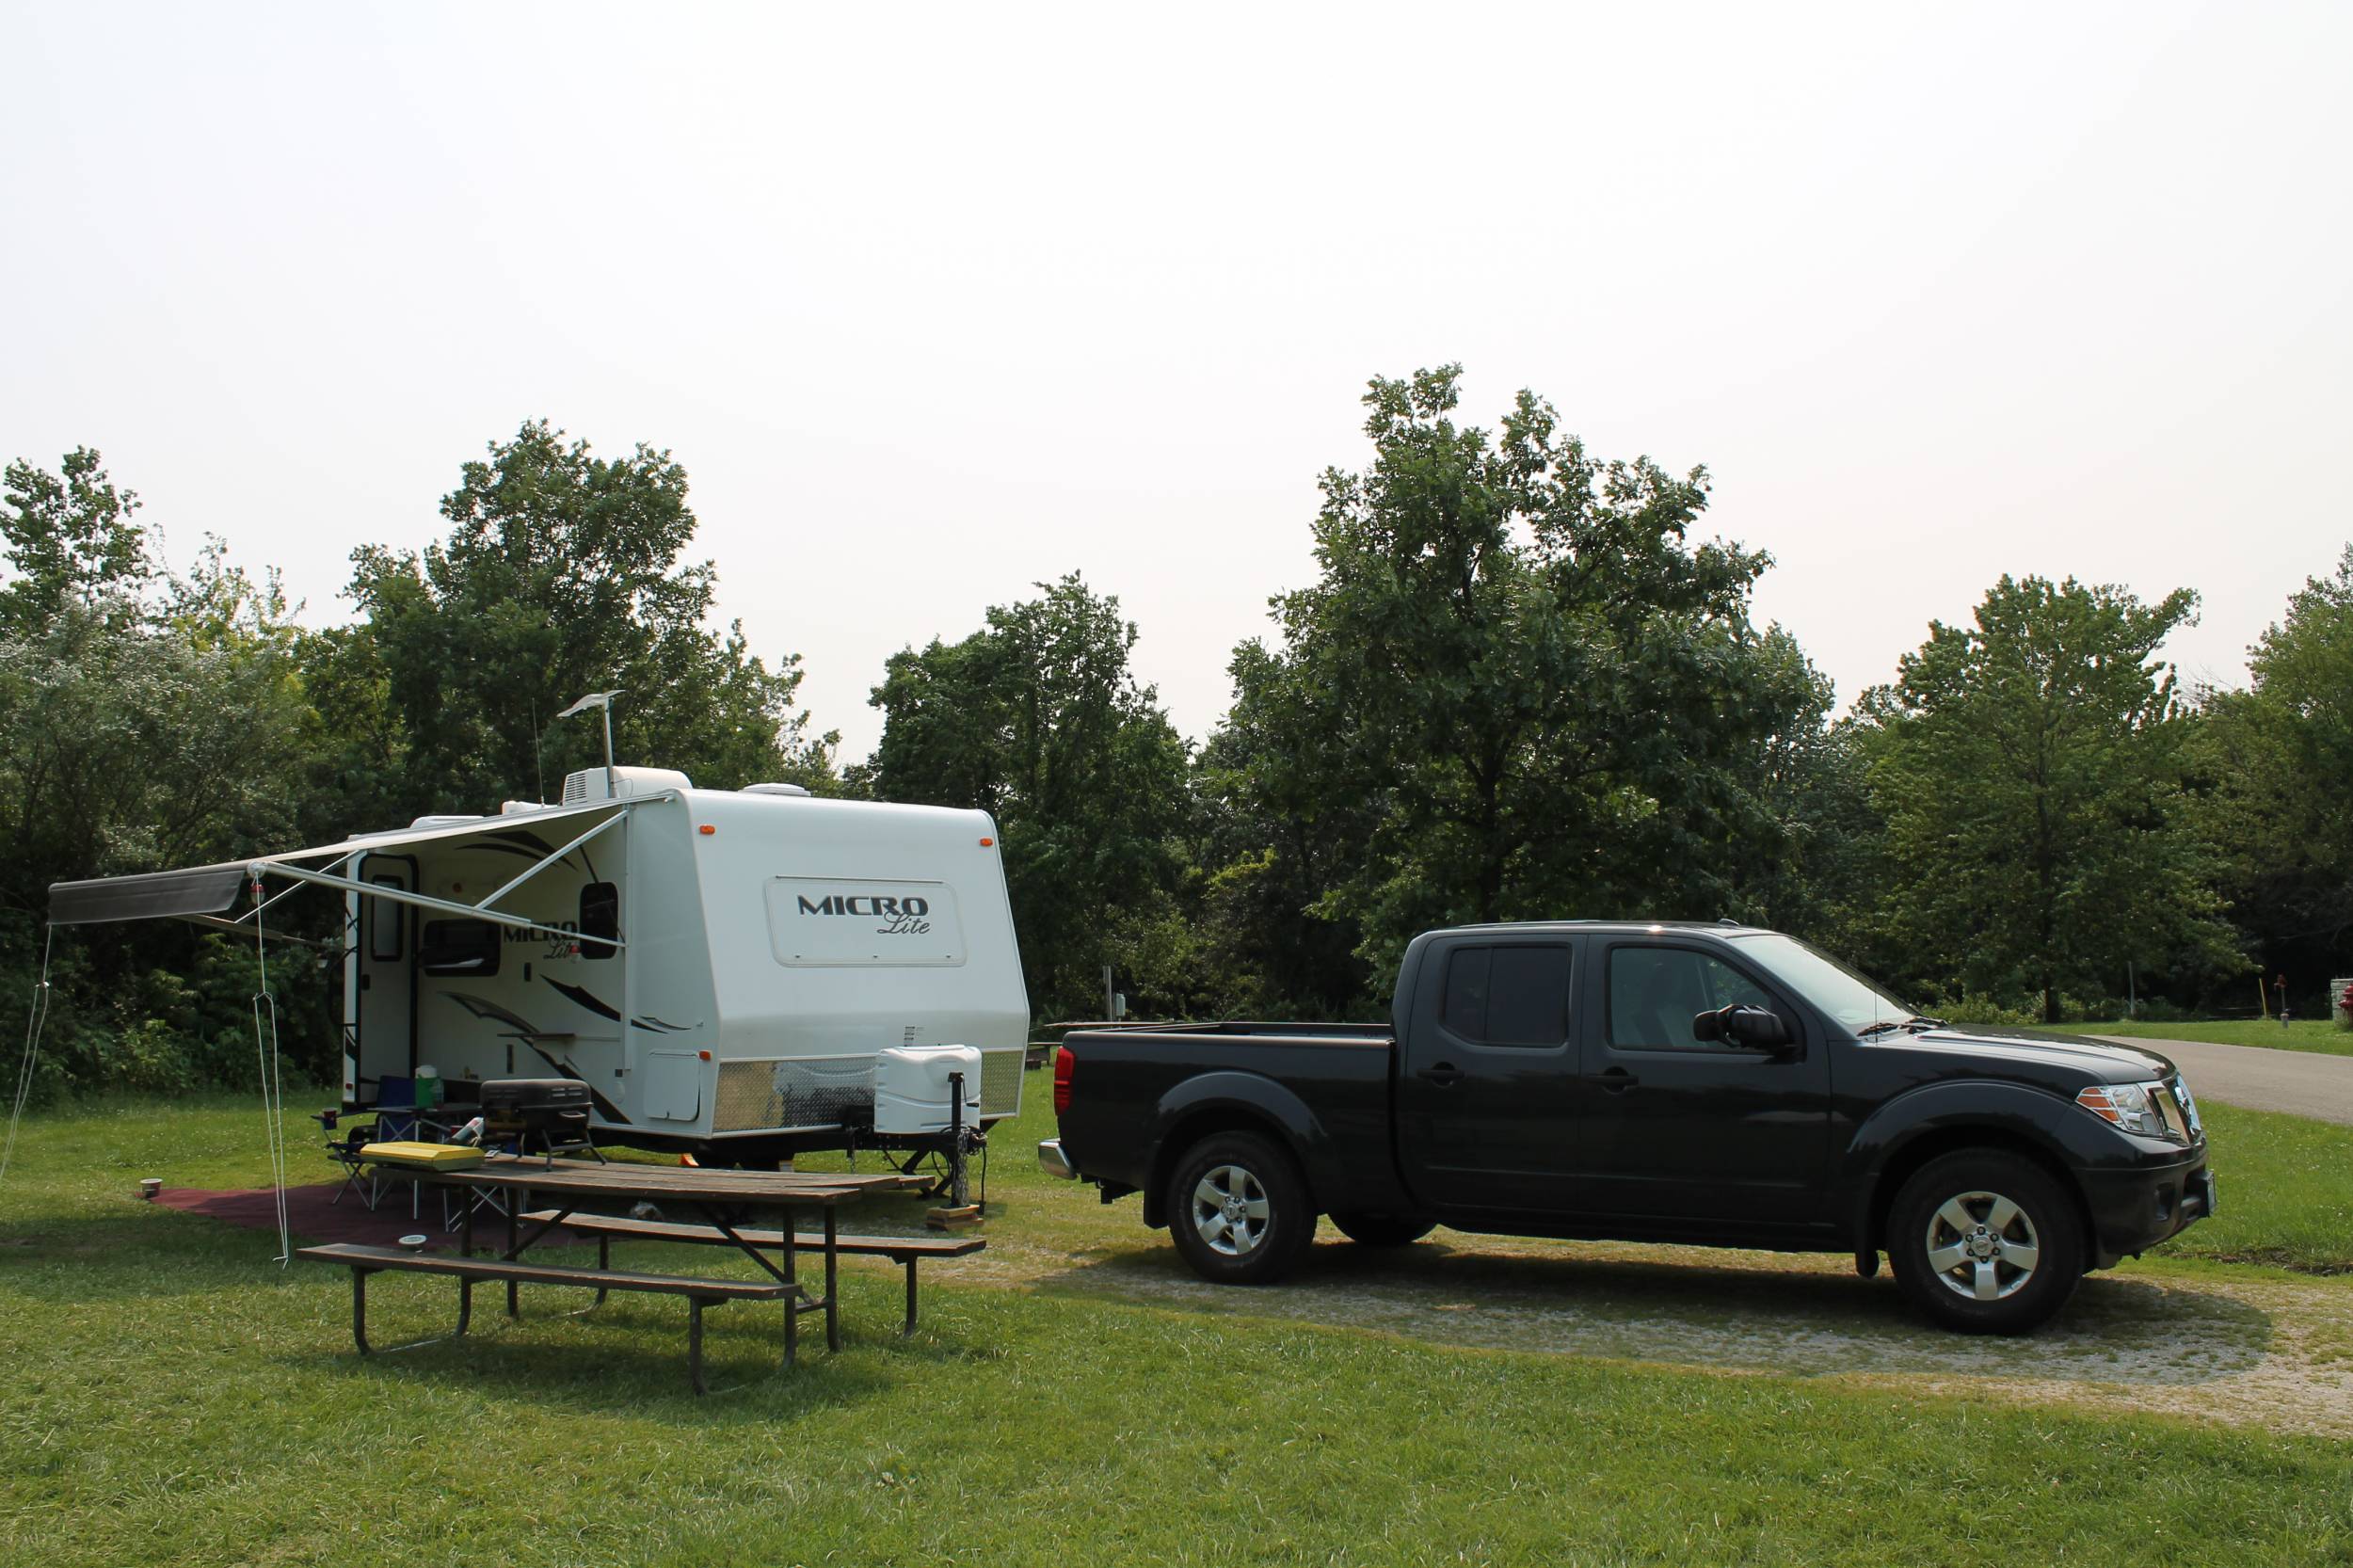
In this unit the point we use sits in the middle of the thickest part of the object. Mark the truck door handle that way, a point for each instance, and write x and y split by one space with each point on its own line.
1617 1081
1442 1074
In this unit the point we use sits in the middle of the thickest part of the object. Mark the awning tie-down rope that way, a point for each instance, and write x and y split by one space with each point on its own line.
35 1022
273 1095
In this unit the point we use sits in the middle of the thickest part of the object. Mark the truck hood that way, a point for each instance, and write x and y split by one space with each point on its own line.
2100 1060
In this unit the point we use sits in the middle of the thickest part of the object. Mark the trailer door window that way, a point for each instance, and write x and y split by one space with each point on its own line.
386 922
599 919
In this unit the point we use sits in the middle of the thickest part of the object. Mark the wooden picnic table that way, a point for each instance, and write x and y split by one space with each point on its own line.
718 1198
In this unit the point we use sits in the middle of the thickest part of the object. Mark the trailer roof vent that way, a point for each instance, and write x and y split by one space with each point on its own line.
588 784
773 789
442 822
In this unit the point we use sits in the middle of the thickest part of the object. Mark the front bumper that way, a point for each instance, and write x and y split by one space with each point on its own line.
1052 1160
2133 1210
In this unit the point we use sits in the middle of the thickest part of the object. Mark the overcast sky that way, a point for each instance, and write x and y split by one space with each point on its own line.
935 303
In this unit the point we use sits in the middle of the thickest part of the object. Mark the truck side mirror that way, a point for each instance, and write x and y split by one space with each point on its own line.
1757 1026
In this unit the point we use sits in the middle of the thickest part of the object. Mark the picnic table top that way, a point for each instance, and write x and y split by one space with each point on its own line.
621 1179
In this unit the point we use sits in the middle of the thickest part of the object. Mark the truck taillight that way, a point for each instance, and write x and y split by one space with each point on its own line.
1063 1063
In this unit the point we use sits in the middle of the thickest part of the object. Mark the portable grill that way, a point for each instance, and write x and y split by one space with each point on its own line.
542 1115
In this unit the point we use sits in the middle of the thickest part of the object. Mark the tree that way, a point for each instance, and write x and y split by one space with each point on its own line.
1036 720
2030 767
2277 758
1518 687
71 540
560 576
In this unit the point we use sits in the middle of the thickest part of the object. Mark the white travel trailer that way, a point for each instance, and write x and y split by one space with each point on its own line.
724 969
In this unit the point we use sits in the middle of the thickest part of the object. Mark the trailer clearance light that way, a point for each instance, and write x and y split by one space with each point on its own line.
986 842
1063 1064
706 830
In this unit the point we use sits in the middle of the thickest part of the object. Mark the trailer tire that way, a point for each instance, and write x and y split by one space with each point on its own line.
1384 1230
1239 1209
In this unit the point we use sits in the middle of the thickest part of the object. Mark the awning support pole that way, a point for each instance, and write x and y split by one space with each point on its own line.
399 895
33 1023
551 860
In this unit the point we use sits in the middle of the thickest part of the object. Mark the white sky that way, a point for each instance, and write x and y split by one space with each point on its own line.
935 302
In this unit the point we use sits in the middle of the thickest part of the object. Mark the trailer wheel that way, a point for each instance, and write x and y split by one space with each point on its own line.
1384 1230
1239 1209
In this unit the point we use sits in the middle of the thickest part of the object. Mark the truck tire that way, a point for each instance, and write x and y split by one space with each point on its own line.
1239 1209
1986 1241
1384 1230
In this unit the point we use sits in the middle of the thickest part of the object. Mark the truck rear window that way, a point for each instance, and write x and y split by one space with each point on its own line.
1508 996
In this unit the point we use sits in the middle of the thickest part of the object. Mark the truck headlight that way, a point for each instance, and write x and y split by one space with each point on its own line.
2130 1106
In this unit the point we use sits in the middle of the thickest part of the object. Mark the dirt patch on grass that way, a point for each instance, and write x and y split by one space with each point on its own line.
2253 1351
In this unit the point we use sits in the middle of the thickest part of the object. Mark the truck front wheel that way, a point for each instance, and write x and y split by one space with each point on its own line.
1986 1243
1238 1210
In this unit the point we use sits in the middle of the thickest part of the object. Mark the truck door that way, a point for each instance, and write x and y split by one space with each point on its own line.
1685 1129
1488 1082
383 994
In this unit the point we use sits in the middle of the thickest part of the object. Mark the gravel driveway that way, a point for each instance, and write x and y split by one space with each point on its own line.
2301 1082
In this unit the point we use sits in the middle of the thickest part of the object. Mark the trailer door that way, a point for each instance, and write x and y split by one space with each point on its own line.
383 996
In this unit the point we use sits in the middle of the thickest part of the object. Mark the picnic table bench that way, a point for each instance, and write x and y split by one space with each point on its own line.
906 1250
700 1293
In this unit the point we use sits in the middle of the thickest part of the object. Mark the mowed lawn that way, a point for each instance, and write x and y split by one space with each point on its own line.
2319 1035
172 1397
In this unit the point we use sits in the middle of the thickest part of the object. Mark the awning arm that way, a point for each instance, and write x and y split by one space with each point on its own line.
401 895
239 927
255 912
551 860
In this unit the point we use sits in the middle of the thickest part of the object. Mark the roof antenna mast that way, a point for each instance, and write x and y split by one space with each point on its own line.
601 700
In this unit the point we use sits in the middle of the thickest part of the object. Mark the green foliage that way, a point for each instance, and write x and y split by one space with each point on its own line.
561 575
1035 719
2030 768
71 542
2276 759
1514 657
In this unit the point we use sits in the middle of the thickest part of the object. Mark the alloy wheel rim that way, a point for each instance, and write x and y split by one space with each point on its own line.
1982 1246
1230 1210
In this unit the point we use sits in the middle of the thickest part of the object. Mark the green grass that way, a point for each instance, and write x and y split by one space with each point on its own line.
2299 1034
171 1396
2286 1192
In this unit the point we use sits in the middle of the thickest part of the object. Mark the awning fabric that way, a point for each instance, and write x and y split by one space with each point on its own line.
199 890
214 889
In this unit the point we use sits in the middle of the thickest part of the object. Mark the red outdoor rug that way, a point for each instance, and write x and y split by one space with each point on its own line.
313 1215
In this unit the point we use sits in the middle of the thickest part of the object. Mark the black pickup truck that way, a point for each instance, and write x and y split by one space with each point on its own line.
1711 1084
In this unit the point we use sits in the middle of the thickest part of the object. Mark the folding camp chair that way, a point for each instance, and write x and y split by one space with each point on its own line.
344 1151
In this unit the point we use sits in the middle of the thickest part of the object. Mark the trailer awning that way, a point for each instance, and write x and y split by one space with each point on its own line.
214 891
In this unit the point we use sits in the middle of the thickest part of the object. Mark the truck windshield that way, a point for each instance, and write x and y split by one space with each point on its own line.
1855 999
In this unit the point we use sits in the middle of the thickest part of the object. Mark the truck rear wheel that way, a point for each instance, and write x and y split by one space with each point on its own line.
1238 1210
1986 1243
1384 1230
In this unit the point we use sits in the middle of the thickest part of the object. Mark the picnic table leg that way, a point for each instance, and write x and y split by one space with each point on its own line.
792 1300
694 1343
833 1312
910 1331
514 1245
605 1261
360 1307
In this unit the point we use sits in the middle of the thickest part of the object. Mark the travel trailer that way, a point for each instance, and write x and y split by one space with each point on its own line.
726 971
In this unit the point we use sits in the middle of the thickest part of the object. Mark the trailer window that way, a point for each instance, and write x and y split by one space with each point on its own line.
468 948
599 919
